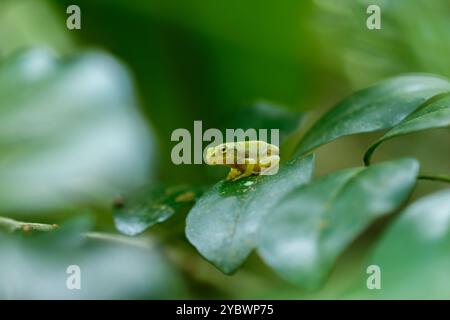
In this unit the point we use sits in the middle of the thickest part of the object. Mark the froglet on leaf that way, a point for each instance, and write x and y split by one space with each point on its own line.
245 158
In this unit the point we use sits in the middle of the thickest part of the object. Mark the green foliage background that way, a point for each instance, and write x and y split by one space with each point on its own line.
86 117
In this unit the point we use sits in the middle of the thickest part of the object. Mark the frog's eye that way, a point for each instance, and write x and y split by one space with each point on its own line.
223 149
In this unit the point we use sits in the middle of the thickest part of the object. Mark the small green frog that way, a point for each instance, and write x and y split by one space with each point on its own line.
245 158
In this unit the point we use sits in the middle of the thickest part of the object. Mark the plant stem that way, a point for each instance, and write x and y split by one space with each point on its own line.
14 225
439 177
100 236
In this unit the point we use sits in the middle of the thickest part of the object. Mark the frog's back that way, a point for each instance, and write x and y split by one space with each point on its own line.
256 146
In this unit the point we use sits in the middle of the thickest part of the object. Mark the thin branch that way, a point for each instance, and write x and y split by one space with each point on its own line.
14 225
137 242
439 177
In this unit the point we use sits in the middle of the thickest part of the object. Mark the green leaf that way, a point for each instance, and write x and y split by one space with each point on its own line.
225 222
34 266
413 253
266 116
315 223
378 107
149 206
70 132
435 113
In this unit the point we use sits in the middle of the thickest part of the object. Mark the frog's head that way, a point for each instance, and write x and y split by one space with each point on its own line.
218 155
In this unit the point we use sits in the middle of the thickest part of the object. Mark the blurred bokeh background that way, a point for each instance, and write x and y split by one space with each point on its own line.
137 70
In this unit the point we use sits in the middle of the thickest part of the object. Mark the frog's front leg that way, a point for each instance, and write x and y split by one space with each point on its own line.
249 169
233 174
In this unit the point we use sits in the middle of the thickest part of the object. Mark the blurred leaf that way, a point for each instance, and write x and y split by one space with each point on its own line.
315 223
266 116
70 132
435 113
225 222
378 107
414 37
149 206
28 23
413 253
34 267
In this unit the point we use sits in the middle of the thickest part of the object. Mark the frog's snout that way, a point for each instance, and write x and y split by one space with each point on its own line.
210 157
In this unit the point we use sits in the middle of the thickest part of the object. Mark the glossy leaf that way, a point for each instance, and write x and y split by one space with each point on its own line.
378 107
149 206
225 222
70 132
413 253
315 223
435 113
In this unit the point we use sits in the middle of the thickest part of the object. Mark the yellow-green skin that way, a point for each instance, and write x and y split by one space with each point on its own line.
244 157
